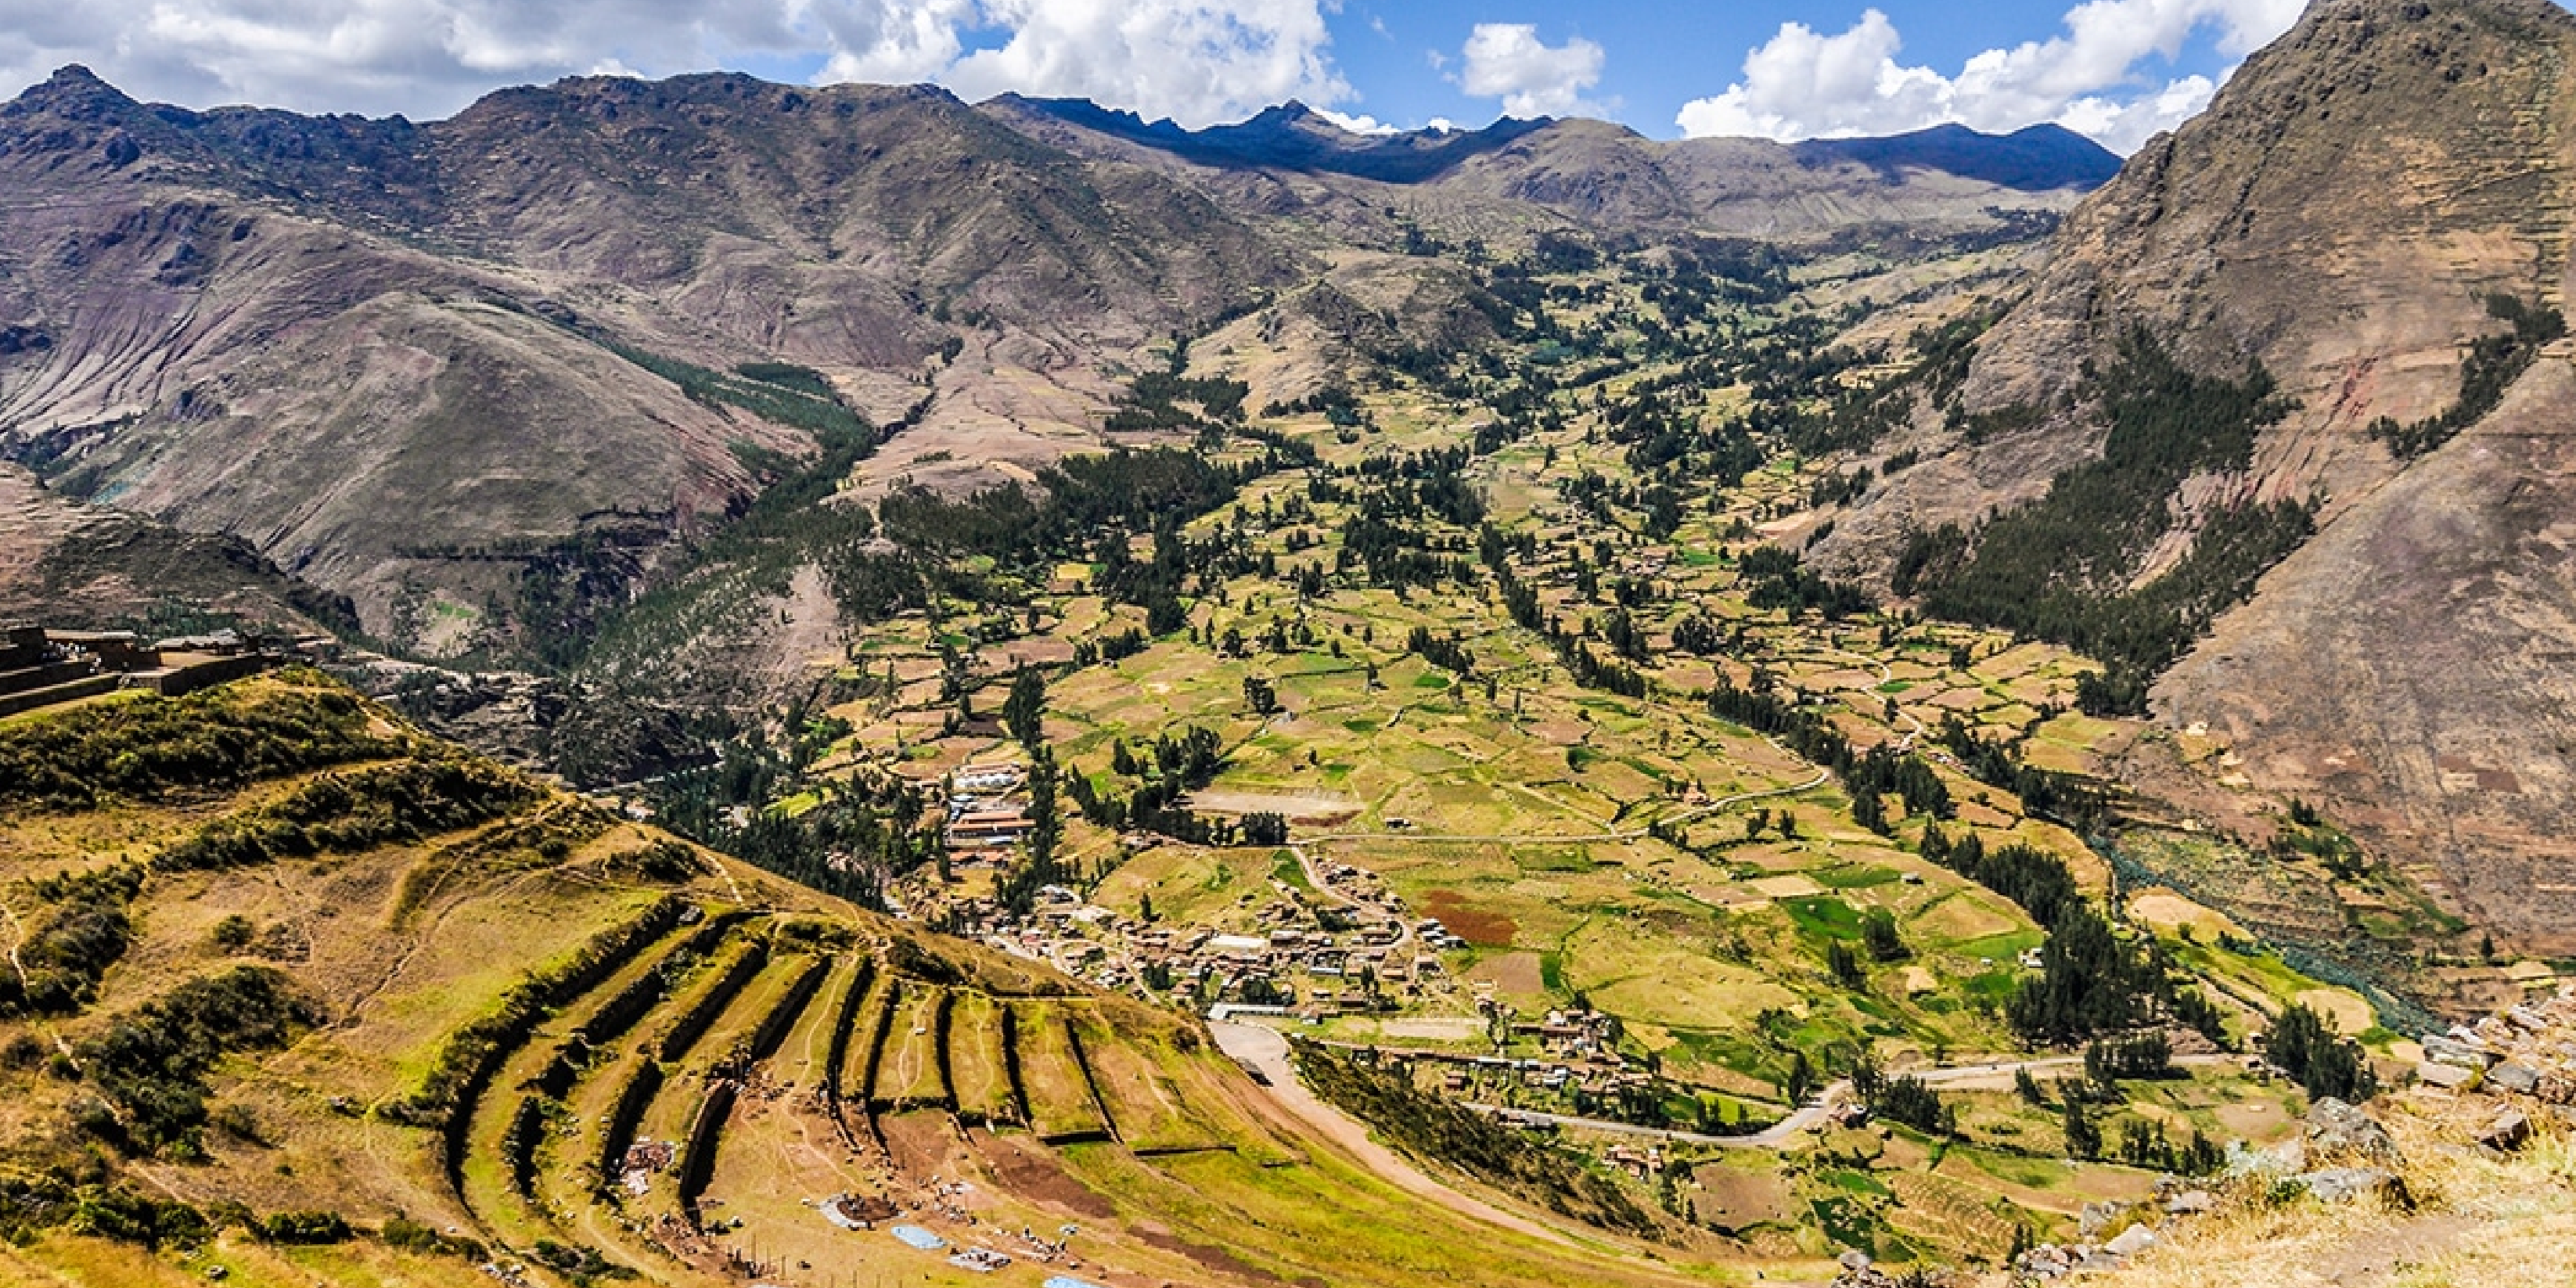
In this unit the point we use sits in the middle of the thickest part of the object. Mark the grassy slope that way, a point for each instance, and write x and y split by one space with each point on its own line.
393 973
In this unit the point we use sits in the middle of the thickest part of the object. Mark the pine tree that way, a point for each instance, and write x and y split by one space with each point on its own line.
2083 1135
1024 712
1845 965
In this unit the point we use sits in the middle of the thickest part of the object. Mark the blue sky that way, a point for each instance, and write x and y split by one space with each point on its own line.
2115 69
1657 57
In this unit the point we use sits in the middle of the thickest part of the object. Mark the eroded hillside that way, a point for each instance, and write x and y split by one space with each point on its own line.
2367 229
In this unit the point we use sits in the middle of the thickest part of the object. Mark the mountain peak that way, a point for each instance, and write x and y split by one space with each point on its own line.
74 91
2035 158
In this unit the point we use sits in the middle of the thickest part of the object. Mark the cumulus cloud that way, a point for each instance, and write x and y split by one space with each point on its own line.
1805 84
1507 60
1361 124
1197 61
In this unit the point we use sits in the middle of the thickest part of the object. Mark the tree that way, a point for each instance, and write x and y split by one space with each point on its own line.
1145 907
1878 933
1801 1082
1259 695
2083 1135
1024 712
2324 1064
1845 965
2028 1086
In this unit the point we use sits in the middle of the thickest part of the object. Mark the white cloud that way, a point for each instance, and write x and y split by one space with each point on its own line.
1804 84
1362 124
1197 61
1506 60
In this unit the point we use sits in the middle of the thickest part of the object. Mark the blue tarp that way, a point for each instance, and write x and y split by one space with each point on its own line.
919 1238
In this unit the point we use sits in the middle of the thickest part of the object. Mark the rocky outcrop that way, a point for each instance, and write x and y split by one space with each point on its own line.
2340 215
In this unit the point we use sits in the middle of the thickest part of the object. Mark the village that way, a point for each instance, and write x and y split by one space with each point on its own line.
1341 961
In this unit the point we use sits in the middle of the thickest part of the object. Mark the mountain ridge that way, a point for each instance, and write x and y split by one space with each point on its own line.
2343 218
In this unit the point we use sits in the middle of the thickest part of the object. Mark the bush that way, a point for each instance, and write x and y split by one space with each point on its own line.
152 1061
414 1236
153 748
304 1227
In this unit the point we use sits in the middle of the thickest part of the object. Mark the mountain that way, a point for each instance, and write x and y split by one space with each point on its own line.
521 329
2372 217
288 327
1292 136
1596 176
2036 158
95 567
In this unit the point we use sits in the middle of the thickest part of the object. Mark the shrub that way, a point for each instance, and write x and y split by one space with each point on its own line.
151 1062
304 1227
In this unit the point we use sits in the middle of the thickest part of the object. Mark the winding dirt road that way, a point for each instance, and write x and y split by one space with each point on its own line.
1266 1050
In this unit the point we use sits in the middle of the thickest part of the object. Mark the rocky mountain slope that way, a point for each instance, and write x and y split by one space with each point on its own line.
1592 175
502 326
95 567
2344 216
288 328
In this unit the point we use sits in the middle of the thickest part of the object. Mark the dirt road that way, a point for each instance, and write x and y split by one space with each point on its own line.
1267 1050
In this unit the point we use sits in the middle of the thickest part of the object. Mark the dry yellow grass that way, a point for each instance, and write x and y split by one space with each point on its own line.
2482 1220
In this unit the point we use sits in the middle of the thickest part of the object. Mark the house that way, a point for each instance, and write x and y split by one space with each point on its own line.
987 829
991 779
1237 946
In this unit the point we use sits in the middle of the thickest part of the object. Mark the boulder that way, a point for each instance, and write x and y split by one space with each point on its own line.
2190 1203
2461 1048
2449 1077
2345 1184
2098 1217
2337 1128
2508 1132
2521 1079
2131 1242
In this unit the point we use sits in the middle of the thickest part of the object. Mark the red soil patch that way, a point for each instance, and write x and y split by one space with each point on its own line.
1483 929
1216 1259
1033 1174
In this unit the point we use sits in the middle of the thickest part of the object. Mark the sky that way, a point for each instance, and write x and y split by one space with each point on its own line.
2118 70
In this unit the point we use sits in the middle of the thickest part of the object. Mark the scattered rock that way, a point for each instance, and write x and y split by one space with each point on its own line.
2509 1132
2098 1217
2288 1158
2461 1047
2337 1128
2449 1077
2345 1184
2520 1079
2131 1242
2190 1203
